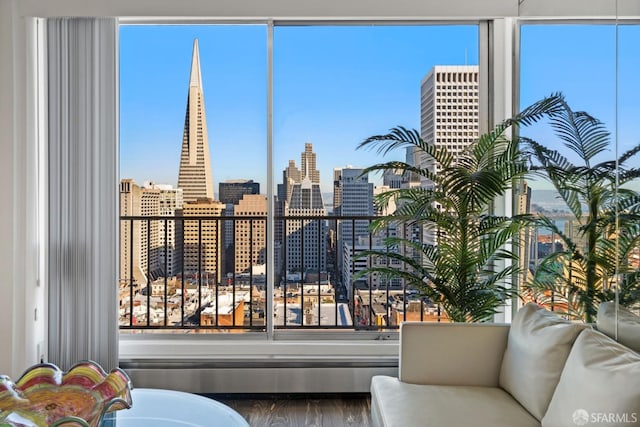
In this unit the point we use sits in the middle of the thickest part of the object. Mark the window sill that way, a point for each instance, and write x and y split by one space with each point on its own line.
245 364
187 349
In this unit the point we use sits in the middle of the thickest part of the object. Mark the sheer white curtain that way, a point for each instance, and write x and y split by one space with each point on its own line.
82 186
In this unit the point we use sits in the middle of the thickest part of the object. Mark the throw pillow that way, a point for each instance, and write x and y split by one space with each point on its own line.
628 324
537 349
600 385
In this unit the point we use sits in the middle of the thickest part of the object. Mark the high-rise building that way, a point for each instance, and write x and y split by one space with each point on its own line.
390 207
202 237
290 176
526 237
392 178
305 239
195 178
308 164
449 109
449 116
162 236
231 191
337 191
170 236
131 255
250 234
203 234
351 253
140 243
353 196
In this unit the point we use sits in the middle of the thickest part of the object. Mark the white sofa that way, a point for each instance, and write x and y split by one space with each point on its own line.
538 371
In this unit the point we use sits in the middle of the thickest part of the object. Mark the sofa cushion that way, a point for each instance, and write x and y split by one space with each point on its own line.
628 324
451 364
537 349
600 383
398 404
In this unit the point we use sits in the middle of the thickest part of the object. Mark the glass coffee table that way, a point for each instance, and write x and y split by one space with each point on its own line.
164 408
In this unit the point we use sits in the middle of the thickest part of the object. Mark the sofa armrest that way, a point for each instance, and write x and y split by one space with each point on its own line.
452 353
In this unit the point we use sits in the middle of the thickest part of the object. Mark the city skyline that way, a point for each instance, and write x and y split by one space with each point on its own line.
292 127
203 244
303 108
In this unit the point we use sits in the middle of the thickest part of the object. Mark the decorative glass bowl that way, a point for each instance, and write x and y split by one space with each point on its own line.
44 396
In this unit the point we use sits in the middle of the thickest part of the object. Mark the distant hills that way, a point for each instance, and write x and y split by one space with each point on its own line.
548 200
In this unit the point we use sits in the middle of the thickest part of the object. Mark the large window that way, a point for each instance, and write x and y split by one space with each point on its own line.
334 86
193 176
628 133
586 246
193 191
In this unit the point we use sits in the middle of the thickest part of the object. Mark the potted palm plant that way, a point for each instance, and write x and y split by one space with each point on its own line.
465 260
595 256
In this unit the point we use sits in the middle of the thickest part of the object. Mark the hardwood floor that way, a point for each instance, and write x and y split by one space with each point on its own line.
301 410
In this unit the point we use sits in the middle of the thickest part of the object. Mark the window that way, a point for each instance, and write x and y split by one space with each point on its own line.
333 86
193 129
589 81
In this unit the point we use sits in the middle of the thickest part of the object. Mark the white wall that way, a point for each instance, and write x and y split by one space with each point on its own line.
6 178
21 328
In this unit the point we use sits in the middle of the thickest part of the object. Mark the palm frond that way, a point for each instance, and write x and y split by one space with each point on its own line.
628 154
401 167
627 175
458 269
581 133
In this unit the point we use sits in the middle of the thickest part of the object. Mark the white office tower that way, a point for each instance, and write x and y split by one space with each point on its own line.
449 108
306 238
449 114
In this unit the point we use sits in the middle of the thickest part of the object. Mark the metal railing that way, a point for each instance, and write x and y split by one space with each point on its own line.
207 273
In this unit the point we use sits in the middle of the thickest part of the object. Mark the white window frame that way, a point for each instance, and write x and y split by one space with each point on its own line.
303 335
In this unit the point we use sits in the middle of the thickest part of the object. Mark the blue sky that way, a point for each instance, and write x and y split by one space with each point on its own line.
335 86
580 61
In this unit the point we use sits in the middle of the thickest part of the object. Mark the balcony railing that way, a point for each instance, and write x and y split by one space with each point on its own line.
208 274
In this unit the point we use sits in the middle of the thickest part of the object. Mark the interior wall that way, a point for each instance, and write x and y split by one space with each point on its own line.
22 316
6 178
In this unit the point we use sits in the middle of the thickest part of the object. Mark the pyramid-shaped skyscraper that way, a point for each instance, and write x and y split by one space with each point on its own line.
202 242
195 177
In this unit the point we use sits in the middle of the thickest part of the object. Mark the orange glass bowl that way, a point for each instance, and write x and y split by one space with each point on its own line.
44 396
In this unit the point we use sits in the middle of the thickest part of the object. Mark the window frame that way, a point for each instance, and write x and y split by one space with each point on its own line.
330 338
